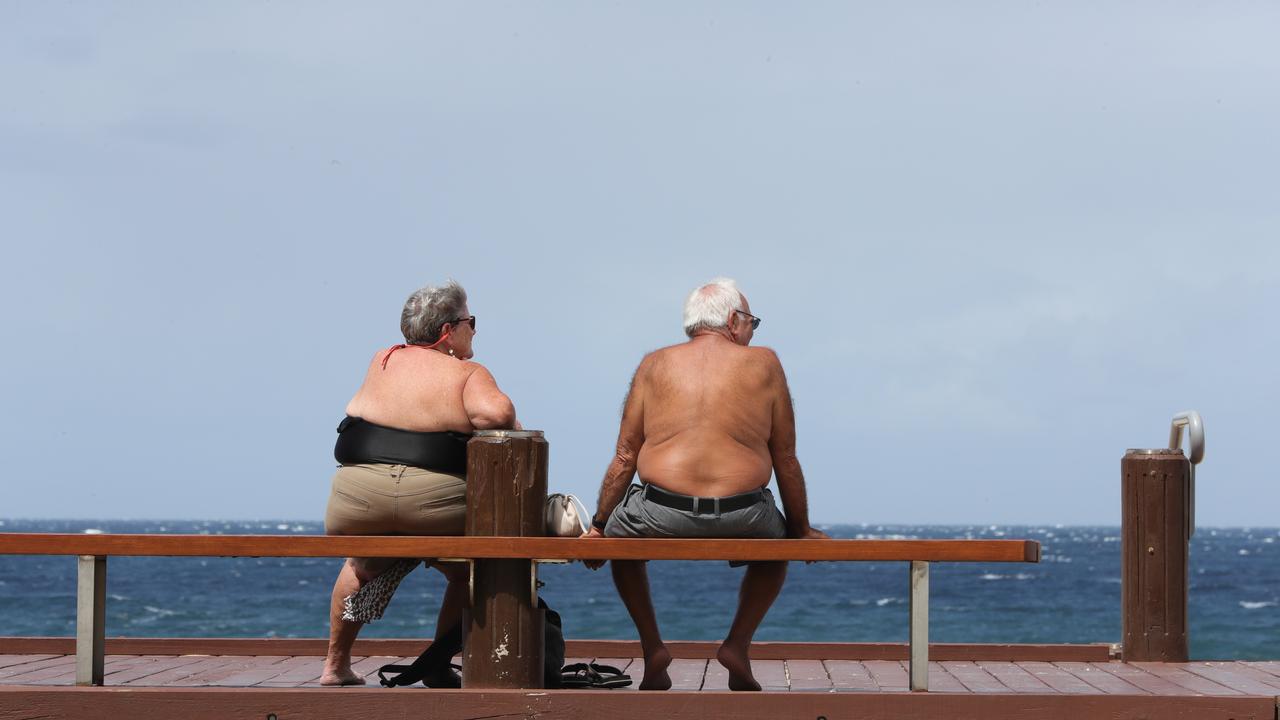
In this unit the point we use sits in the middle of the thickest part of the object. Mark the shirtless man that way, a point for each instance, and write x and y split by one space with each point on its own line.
705 424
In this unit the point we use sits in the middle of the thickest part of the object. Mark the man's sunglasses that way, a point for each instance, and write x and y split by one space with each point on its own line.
470 320
755 321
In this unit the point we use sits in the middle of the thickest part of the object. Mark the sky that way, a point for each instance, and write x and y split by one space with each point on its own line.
994 244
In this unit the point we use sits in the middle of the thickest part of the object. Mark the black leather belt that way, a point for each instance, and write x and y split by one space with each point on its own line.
701 505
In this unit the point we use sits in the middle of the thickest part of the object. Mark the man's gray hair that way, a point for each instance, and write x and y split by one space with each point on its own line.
428 309
709 306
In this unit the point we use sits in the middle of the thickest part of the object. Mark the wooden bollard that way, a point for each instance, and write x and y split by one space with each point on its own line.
1155 532
506 495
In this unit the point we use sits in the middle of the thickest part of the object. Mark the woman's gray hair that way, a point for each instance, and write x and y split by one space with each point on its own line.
709 306
428 309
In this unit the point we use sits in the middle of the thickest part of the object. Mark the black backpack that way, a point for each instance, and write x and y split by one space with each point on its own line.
441 652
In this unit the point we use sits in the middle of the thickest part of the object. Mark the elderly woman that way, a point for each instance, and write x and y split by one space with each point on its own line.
402 449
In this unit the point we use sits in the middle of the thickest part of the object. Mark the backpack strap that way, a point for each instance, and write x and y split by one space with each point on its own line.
435 657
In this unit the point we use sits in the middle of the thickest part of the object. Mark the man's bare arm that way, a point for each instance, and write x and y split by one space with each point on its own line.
623 466
786 466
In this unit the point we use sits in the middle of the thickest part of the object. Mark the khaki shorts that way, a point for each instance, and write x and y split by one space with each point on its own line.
381 499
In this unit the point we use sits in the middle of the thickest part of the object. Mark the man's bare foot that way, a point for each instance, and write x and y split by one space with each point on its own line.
334 676
735 660
655 670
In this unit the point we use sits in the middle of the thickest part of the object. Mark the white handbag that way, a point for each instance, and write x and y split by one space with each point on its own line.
566 516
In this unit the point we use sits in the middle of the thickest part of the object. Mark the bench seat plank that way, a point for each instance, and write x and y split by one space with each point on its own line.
516 547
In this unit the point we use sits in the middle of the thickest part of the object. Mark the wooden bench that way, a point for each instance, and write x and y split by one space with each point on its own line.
93 551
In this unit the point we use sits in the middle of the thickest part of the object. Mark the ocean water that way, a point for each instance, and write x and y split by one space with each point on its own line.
1072 596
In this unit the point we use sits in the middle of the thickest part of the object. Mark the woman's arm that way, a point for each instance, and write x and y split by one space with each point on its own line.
487 407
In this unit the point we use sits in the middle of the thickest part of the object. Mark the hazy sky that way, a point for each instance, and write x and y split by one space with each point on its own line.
994 244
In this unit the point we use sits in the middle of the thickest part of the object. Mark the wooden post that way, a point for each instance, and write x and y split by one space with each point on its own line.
918 643
1156 504
506 495
91 618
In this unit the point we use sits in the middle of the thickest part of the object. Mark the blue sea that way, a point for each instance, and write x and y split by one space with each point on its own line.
1072 596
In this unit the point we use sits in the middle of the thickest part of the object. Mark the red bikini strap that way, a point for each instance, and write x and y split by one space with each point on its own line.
394 348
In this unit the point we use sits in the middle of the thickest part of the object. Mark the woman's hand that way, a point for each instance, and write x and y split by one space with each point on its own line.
594 532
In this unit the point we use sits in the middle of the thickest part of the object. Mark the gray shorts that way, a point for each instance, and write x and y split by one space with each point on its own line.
636 516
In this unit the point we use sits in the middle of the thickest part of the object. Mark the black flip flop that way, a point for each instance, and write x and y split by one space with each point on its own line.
608 676
593 675
577 675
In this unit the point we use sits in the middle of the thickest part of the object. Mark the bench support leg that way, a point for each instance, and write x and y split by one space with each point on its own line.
919 625
91 619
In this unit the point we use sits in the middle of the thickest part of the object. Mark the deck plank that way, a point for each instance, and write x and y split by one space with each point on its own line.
1225 673
188 675
687 674
1271 667
257 674
215 676
850 675
717 677
1058 679
939 679
1014 677
807 675
116 670
1179 676
1153 684
38 670
635 669
1105 682
141 672
1029 678
1258 674
302 669
888 675
11 660
771 674
974 677
23 668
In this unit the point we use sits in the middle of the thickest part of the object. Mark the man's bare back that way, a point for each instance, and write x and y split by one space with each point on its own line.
708 407
710 419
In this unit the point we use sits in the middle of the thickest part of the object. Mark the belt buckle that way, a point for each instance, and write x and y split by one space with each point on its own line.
698 506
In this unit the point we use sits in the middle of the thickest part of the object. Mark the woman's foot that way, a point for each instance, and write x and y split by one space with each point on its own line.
336 674
655 670
735 660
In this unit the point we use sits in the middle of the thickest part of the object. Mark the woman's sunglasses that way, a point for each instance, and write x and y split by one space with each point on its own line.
470 320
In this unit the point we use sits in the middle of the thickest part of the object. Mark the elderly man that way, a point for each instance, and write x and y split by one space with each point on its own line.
705 424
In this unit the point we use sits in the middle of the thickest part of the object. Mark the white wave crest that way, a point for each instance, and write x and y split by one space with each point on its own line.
1248 605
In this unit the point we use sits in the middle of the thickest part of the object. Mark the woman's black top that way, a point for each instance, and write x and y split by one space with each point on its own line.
360 441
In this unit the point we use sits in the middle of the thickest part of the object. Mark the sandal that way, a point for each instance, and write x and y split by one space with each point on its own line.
608 676
592 675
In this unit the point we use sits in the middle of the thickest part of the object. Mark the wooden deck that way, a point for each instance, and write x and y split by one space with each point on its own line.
251 684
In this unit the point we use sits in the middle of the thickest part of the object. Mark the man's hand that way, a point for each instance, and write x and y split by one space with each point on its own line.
812 533
594 532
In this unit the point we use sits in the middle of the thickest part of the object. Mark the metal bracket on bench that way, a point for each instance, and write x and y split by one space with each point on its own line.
91 618
919 636
471 576
471 579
